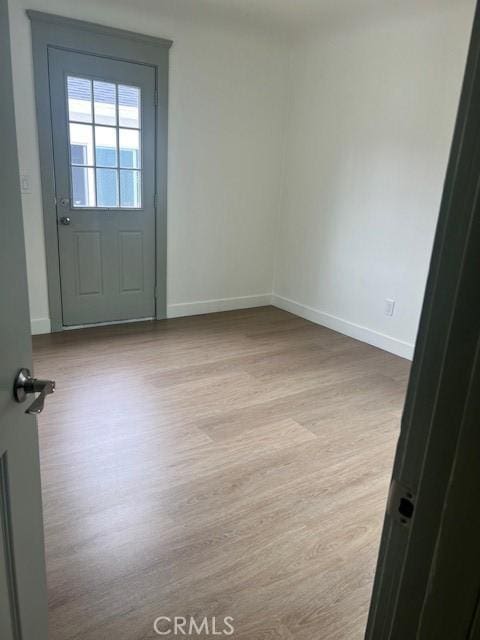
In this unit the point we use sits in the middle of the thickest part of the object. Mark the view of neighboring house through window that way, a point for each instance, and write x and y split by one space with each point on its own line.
105 154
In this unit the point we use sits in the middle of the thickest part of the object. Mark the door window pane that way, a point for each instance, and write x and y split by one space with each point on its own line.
83 187
129 148
79 153
106 146
107 188
130 189
105 102
79 93
128 106
81 144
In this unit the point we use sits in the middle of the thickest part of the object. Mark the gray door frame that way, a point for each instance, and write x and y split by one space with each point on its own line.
49 30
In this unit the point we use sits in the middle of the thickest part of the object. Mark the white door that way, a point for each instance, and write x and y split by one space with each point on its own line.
23 599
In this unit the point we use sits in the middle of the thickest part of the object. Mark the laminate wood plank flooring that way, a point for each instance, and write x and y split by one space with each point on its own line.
234 464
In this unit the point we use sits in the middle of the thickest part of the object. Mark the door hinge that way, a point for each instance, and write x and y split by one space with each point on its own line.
155 98
401 503
155 200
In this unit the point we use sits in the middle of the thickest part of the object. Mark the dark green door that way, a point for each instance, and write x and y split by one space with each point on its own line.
103 115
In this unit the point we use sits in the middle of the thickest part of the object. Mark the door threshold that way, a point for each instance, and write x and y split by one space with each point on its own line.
104 324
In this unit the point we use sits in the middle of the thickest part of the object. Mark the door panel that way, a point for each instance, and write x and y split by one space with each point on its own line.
131 261
23 601
103 113
88 262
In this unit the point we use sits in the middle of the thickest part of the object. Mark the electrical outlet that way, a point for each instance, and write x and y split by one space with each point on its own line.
389 307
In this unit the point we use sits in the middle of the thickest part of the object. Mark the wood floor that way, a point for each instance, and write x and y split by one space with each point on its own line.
235 464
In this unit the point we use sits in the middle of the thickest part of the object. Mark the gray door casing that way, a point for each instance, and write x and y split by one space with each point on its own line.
23 598
106 255
49 32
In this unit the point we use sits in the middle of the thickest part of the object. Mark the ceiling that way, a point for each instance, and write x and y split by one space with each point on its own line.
298 14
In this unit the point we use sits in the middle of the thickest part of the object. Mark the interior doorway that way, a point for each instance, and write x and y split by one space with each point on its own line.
211 470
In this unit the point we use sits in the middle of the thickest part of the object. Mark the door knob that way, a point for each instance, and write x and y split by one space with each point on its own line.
25 385
65 220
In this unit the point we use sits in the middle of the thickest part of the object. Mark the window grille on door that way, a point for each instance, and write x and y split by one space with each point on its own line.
104 128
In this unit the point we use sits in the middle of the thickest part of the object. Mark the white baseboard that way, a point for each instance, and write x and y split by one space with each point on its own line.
213 306
40 325
380 340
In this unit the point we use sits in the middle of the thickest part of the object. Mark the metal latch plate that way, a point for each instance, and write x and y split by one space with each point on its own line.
401 503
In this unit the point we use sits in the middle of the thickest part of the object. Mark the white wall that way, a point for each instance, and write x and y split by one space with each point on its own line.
314 168
371 119
225 139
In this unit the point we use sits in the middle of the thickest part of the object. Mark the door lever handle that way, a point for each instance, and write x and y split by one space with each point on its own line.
25 385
